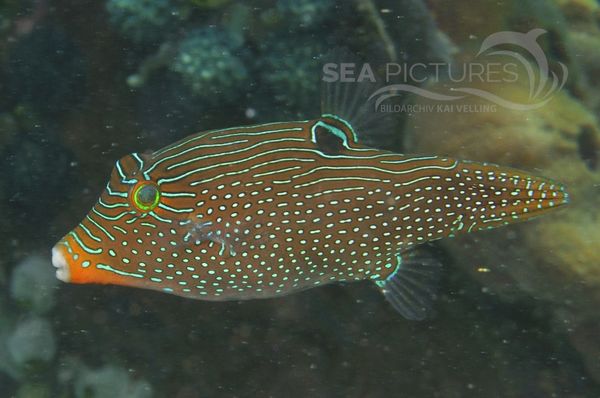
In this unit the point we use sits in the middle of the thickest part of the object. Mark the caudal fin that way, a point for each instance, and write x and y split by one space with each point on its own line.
492 195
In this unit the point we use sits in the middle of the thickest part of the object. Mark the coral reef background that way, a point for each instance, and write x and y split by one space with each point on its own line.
85 82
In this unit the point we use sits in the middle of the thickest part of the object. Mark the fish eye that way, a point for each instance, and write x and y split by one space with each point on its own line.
146 196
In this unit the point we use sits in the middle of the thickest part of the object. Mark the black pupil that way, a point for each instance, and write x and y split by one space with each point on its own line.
147 194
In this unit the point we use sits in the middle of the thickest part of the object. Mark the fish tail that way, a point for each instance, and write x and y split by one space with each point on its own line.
493 195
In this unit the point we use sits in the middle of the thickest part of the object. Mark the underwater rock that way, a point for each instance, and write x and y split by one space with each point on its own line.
304 13
8 10
108 382
208 63
167 110
553 260
8 129
6 325
34 390
8 132
462 22
142 20
208 4
33 283
28 187
588 43
291 71
46 72
579 10
583 20
32 340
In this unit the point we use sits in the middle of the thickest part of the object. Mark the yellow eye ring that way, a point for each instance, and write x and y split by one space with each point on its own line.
146 196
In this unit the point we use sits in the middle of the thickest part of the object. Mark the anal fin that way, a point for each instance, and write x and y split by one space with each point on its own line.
411 288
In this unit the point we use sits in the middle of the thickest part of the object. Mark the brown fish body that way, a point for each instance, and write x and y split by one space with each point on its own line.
267 210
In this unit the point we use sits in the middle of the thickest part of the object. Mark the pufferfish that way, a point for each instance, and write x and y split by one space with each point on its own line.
267 210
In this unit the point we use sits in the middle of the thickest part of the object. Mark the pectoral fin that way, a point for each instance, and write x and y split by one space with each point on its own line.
411 288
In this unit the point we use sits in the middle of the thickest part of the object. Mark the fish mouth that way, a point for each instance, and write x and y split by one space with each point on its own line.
60 263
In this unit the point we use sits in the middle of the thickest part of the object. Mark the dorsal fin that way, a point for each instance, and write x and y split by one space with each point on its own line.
349 101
